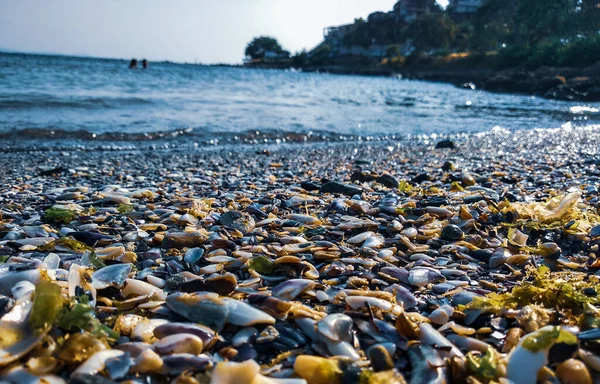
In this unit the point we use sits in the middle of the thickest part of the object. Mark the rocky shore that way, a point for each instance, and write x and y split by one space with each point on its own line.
464 259
569 84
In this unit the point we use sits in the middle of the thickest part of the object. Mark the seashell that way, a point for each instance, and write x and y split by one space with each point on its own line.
80 277
360 238
441 315
244 314
206 334
244 336
22 289
132 287
499 257
206 308
17 336
144 330
178 363
430 337
336 327
420 277
111 276
193 255
97 362
306 219
290 289
179 343
9 279
524 362
133 349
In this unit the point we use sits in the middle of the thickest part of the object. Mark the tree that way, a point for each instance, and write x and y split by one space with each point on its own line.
431 31
257 48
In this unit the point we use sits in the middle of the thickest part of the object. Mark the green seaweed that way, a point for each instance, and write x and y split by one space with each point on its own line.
484 367
125 208
262 265
81 315
405 187
95 261
543 339
56 215
48 303
563 291
68 242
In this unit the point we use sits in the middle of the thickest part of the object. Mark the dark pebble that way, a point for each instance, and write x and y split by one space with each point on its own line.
482 255
421 178
362 177
452 233
388 180
309 186
337 187
595 231
445 144
448 166
241 221
380 359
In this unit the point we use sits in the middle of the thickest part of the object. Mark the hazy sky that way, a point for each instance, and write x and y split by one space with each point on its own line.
209 31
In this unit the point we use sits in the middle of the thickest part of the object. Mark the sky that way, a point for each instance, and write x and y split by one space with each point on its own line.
205 31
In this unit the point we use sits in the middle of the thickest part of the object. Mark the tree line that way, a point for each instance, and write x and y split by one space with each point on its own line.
518 32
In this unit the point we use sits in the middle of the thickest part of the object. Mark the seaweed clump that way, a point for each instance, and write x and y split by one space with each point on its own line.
561 291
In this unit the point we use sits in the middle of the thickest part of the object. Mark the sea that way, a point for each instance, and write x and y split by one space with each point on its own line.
60 102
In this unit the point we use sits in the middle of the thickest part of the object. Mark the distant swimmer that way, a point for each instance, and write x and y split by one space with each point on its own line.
145 64
133 63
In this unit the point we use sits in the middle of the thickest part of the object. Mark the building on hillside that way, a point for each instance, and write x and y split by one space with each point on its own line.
464 6
408 10
334 38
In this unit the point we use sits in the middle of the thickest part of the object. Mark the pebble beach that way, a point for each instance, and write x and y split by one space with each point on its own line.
467 258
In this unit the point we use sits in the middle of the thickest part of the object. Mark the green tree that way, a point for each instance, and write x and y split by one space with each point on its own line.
257 48
431 31
300 59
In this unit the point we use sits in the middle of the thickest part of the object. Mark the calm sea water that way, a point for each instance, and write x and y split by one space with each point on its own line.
57 99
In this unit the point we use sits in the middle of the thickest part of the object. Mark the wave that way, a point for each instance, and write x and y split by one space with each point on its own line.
198 135
49 102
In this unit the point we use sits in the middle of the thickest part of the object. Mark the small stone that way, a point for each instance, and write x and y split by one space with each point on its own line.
421 178
183 239
337 187
267 335
595 231
380 358
573 371
448 166
589 291
452 232
445 144
240 221
388 180
483 255
467 179
309 186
